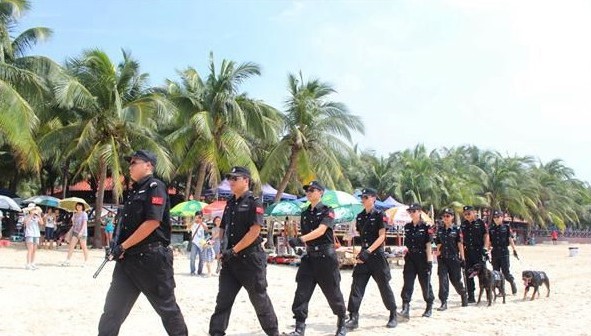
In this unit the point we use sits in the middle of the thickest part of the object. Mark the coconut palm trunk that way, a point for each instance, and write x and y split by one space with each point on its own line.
98 241
293 162
200 180
188 184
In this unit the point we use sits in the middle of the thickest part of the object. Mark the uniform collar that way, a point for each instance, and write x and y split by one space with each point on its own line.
372 211
245 195
318 206
142 181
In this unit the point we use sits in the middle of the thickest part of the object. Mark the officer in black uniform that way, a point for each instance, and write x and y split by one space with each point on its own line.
371 226
319 265
144 261
418 261
500 239
449 259
475 235
244 262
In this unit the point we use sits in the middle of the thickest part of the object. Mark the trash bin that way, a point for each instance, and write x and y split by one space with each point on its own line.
573 251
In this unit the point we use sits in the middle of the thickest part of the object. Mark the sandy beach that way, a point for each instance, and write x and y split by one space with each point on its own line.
55 300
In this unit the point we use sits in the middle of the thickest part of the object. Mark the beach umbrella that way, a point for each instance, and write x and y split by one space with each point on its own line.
335 199
45 200
284 208
69 204
347 213
399 216
7 203
187 208
215 208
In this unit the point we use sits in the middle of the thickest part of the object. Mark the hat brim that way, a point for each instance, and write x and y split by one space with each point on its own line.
236 175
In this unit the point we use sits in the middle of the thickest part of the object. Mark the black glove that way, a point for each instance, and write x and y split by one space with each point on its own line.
429 267
515 254
117 252
295 241
364 255
228 254
462 263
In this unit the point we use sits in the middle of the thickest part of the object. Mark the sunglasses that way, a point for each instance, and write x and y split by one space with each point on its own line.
235 178
411 211
311 190
497 216
365 197
447 215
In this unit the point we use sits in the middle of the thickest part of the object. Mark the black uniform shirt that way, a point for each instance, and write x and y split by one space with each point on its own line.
147 199
473 234
449 239
311 218
416 237
368 225
239 215
499 236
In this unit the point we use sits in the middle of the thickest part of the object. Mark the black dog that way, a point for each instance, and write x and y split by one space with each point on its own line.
535 279
488 280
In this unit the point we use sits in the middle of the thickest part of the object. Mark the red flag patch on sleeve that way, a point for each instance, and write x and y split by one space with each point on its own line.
260 211
157 200
331 214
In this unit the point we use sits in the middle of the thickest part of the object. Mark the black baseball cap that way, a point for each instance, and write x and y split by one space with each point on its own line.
238 171
468 208
448 211
368 192
497 213
315 185
415 206
143 155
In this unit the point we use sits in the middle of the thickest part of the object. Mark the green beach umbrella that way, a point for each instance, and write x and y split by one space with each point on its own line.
187 208
347 213
284 208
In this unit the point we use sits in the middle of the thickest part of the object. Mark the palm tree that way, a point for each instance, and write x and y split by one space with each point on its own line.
23 84
219 120
114 113
313 127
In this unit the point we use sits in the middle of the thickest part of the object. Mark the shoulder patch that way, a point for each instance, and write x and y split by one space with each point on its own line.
157 200
260 210
330 214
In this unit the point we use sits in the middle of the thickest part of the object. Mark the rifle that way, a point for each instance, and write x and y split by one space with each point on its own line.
108 248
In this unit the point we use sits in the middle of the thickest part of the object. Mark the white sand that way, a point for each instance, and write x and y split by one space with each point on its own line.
56 300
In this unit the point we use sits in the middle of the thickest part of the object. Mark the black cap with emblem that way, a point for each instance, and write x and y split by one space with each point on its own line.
415 206
315 185
238 171
497 213
468 208
143 155
369 192
448 211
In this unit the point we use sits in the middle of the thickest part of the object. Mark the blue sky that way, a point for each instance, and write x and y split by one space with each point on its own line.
505 75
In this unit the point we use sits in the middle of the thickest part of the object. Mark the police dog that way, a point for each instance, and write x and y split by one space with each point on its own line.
488 280
535 279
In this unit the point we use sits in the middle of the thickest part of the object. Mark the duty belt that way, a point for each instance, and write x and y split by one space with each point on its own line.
416 250
319 248
250 250
143 248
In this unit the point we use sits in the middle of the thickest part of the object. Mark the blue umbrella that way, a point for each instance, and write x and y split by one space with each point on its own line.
43 200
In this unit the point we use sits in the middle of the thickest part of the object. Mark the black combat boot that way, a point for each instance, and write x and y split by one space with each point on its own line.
471 298
353 321
300 329
392 323
464 300
513 287
443 306
428 310
405 312
341 328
